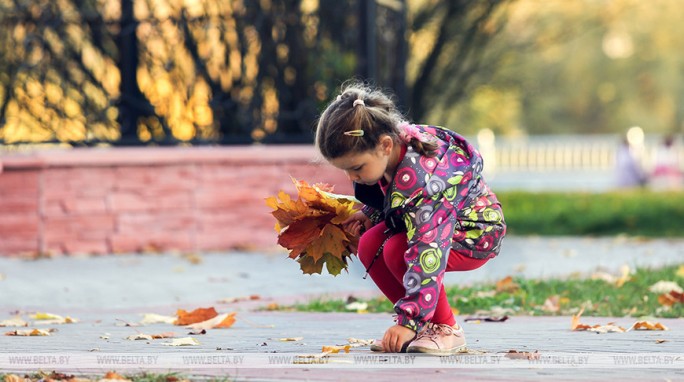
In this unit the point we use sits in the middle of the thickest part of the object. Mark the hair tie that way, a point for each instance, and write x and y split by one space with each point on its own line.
354 133
359 101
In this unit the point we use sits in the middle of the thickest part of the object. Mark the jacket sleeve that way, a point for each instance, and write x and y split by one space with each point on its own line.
430 225
374 215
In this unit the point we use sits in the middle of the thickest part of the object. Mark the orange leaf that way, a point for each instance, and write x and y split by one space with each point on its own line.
299 235
648 325
506 285
227 322
115 376
574 324
671 298
331 240
224 320
197 315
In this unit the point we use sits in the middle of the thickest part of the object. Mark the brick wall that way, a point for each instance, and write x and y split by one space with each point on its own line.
123 200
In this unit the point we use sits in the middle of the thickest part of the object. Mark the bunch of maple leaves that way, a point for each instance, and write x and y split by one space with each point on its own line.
311 226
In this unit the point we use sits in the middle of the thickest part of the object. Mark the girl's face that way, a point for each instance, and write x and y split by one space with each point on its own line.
367 167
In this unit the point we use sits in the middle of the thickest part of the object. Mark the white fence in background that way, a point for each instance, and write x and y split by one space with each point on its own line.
560 162
562 153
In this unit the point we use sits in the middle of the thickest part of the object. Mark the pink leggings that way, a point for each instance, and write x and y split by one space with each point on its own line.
388 270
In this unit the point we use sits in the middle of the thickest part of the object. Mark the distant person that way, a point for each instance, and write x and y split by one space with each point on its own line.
427 210
629 173
667 173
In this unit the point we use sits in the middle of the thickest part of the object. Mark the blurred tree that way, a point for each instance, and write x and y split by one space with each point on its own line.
448 46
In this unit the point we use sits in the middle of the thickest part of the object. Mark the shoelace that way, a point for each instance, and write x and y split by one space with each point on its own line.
435 330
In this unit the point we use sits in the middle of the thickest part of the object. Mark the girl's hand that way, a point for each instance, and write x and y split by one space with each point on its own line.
395 338
355 225
356 222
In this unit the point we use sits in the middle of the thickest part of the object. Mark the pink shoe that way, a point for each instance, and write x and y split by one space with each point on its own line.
439 339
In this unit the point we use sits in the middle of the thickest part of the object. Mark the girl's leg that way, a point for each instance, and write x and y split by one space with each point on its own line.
456 263
369 244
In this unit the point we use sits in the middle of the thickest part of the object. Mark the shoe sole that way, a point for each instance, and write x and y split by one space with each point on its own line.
419 349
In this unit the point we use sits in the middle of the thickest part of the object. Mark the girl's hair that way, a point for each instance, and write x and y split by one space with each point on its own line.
364 121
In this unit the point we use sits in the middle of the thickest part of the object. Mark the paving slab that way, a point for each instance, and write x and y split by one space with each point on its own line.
106 293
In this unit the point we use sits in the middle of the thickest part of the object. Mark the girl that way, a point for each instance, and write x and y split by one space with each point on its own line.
426 210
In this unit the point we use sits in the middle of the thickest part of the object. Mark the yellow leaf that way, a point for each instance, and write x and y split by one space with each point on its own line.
680 271
336 349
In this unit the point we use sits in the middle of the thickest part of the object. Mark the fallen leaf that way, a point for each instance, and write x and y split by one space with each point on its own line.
665 287
671 298
507 285
52 319
193 258
150 337
680 271
31 332
355 342
152 318
197 315
105 336
552 304
289 339
609 328
514 354
16 321
185 341
336 349
13 378
225 320
660 341
479 319
112 376
197 333
357 306
648 325
140 336
238 299
574 324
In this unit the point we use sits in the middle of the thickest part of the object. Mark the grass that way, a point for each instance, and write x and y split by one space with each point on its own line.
521 296
635 213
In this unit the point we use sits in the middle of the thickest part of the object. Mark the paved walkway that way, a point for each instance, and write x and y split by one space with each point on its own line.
105 293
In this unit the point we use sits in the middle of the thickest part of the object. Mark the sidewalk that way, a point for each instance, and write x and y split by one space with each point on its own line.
104 293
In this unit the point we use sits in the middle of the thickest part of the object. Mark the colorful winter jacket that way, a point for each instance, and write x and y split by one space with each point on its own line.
442 203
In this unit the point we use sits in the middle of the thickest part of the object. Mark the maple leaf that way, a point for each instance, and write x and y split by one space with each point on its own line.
671 298
647 325
197 315
225 320
507 285
112 376
311 226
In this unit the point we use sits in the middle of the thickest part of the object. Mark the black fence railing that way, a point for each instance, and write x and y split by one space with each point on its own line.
87 72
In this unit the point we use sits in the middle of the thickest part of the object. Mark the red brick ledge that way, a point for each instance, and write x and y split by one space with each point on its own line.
147 156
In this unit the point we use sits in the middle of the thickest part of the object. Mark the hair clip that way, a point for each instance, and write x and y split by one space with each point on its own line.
359 102
354 133
339 97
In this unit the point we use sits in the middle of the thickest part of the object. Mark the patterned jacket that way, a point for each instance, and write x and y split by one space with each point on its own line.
442 203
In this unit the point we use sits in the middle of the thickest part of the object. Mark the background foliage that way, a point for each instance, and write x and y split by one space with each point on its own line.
246 70
634 213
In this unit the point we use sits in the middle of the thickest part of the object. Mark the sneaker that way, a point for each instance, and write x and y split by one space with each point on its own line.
377 346
439 339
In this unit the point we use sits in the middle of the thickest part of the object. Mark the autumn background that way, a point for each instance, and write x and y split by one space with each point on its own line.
130 72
